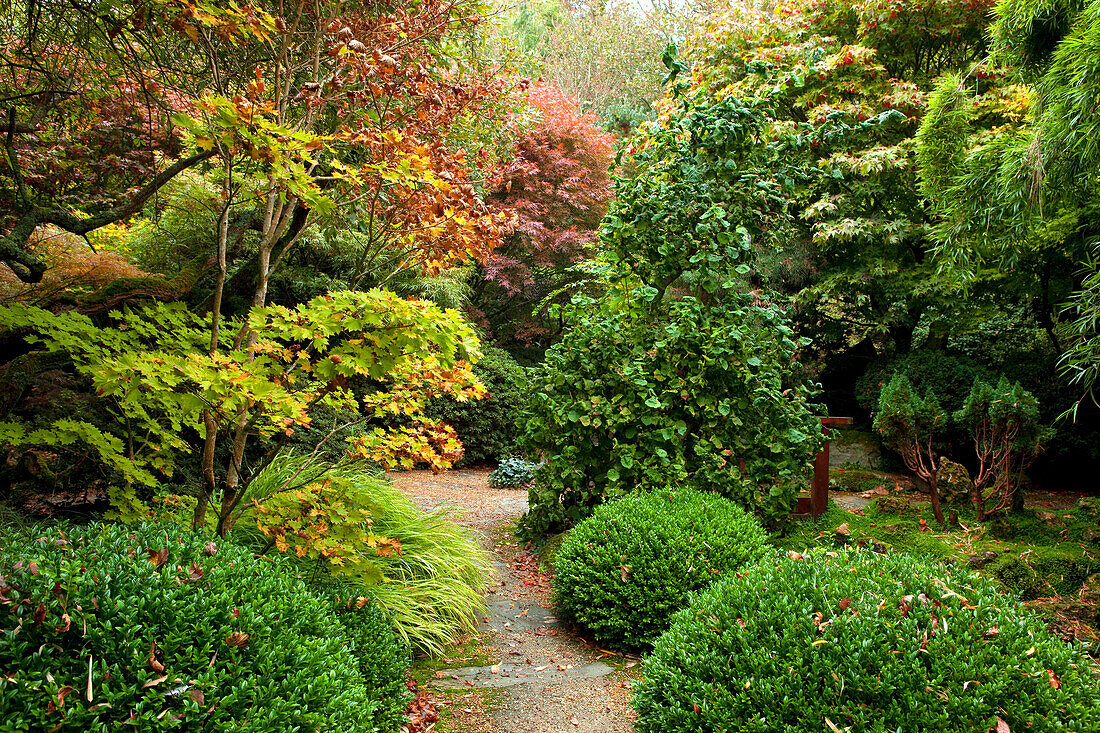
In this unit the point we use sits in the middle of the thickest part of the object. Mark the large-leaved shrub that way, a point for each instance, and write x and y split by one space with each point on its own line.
625 570
856 641
685 371
701 398
110 626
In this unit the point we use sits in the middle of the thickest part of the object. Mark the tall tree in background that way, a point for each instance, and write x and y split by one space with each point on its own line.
1010 156
607 55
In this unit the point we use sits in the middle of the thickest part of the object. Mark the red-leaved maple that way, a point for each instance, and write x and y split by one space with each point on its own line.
558 187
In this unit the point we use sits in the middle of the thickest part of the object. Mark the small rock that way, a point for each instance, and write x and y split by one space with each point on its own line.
843 534
1049 518
893 505
981 559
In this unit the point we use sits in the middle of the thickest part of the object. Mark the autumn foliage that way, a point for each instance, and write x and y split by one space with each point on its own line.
557 187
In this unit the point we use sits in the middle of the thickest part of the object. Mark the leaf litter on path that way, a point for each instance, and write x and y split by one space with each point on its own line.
549 678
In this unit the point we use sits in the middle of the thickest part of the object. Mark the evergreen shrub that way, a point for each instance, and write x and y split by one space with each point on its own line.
623 572
856 641
110 626
512 473
486 427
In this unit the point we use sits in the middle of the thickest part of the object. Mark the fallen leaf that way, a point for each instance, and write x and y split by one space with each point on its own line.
154 682
157 557
33 567
210 548
153 663
1002 727
1053 680
197 696
66 624
237 639
624 572
62 693
695 707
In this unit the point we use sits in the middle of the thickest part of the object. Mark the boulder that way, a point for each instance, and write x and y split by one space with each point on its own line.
954 484
1088 507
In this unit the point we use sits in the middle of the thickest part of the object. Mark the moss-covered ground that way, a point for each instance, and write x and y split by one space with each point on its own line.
1033 553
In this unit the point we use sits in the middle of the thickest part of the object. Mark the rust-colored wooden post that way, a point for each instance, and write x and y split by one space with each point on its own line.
819 492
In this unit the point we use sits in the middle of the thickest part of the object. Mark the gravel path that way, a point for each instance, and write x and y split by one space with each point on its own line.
546 678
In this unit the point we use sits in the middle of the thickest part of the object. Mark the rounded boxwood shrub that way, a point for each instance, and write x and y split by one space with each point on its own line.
856 641
622 572
109 626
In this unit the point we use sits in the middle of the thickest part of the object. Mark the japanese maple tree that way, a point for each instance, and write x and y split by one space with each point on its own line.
557 186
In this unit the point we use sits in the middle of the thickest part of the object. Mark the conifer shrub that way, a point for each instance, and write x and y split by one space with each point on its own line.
109 626
856 641
624 571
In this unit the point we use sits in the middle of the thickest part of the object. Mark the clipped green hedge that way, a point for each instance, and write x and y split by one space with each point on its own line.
109 626
856 641
624 571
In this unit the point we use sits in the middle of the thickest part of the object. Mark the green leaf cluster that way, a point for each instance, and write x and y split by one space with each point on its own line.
152 363
513 473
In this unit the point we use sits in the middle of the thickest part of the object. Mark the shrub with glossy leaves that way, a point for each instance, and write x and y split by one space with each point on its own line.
109 626
625 570
856 641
